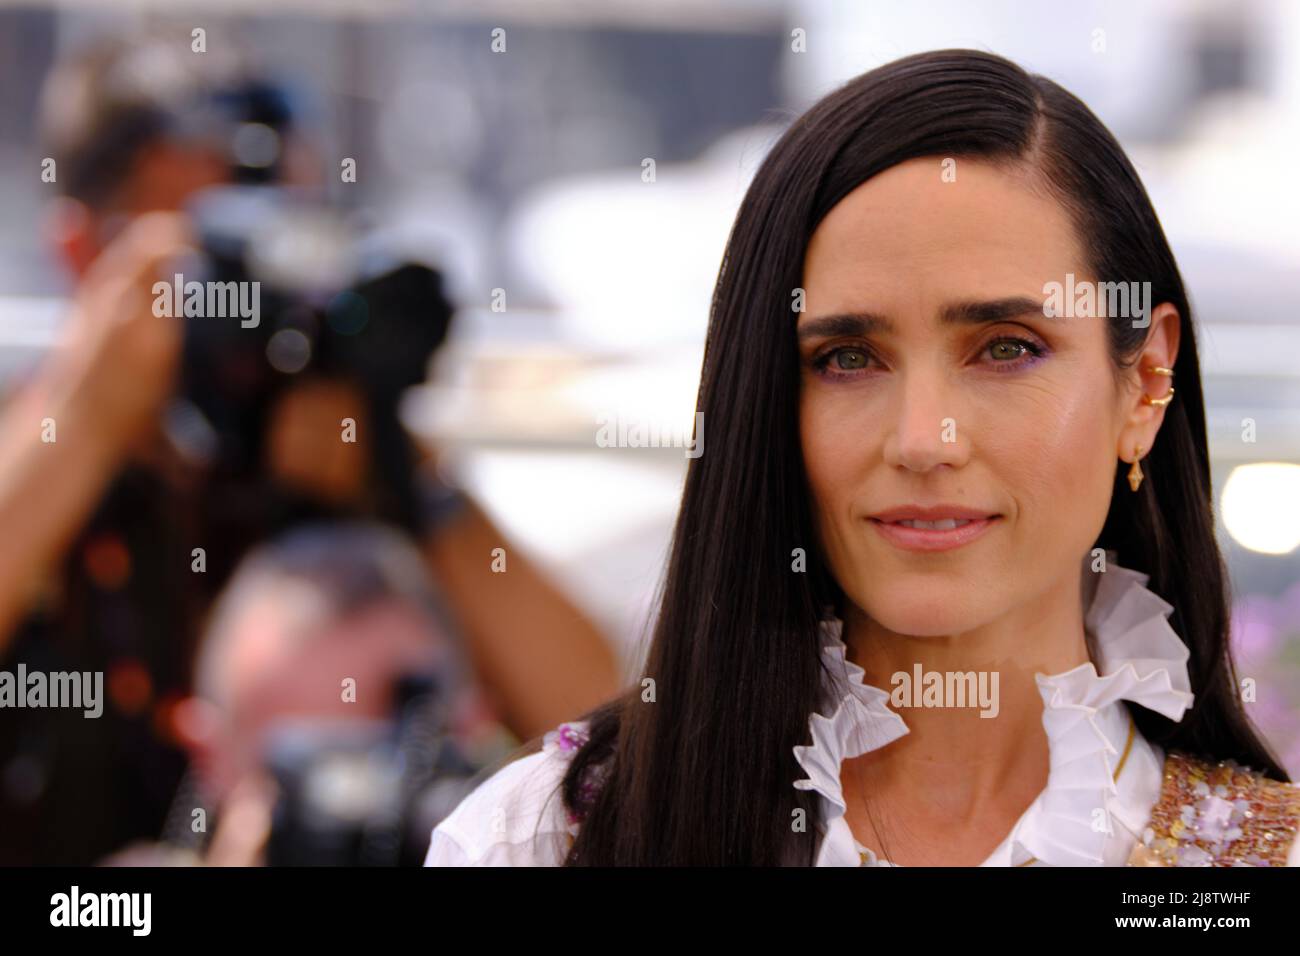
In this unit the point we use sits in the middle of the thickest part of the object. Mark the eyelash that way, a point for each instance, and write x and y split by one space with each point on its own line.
1033 351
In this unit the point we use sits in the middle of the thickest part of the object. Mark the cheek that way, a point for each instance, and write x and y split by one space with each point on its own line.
1058 450
838 441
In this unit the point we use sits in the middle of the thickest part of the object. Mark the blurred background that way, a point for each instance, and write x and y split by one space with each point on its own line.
581 285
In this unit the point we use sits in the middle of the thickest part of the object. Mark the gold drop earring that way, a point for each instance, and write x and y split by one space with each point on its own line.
1135 475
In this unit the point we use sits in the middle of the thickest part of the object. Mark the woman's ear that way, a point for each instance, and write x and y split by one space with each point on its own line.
1152 380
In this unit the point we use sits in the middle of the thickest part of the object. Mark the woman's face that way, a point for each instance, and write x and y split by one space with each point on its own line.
952 399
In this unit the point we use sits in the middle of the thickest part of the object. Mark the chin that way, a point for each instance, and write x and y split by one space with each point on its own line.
923 622
927 605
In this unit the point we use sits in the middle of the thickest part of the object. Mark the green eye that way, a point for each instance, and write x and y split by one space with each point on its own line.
850 359
1007 350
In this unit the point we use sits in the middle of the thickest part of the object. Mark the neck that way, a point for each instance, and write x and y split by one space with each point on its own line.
955 762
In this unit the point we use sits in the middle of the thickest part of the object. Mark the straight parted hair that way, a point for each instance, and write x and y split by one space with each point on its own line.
704 775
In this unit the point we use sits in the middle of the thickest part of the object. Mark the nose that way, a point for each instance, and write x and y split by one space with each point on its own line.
926 426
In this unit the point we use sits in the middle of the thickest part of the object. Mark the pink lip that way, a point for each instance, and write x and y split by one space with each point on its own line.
930 539
932 513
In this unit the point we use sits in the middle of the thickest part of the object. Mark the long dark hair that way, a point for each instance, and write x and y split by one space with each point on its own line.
704 773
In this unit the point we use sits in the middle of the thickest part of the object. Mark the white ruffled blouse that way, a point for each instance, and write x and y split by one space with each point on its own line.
516 817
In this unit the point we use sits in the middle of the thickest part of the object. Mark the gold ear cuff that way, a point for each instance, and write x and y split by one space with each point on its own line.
1168 396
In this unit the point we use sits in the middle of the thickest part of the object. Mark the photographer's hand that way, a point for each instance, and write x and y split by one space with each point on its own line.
120 360
65 435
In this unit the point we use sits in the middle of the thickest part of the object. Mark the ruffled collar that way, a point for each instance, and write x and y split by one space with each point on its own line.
1141 658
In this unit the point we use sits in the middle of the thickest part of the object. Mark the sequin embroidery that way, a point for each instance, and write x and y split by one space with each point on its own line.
1218 814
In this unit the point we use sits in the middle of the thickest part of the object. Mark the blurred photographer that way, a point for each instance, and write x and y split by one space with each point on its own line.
335 717
140 441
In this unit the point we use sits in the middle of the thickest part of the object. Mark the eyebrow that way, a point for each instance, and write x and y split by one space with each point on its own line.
955 313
